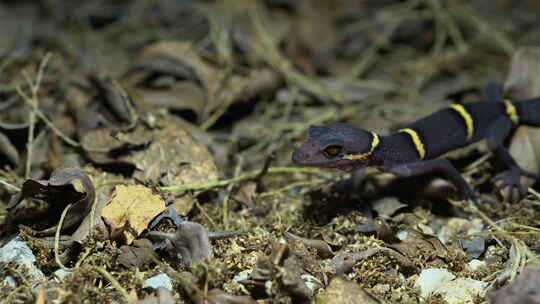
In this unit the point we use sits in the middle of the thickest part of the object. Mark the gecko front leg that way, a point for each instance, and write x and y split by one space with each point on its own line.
438 165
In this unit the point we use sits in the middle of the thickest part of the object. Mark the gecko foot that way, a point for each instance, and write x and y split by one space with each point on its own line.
511 179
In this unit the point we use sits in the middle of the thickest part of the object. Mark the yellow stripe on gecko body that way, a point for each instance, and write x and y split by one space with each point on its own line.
417 141
511 111
466 117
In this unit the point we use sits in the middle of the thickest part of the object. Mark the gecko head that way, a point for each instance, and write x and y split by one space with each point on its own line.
336 145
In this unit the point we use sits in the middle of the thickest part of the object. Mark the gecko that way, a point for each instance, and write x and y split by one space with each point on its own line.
415 149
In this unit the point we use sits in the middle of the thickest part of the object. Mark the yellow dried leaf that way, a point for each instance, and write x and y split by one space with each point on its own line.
131 210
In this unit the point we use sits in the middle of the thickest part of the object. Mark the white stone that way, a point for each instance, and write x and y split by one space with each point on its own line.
160 280
475 265
402 235
10 281
242 275
432 279
61 273
454 291
16 251
462 290
312 282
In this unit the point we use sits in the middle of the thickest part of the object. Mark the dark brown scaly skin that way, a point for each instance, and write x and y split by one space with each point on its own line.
436 134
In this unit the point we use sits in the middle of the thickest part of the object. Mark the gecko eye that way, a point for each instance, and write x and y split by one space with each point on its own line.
331 151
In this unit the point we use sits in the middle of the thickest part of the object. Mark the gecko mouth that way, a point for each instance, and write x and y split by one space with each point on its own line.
347 166
301 158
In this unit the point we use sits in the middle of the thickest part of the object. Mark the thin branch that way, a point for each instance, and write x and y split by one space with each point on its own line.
242 177
57 239
115 283
290 186
33 101
447 21
56 131
10 186
465 13
522 251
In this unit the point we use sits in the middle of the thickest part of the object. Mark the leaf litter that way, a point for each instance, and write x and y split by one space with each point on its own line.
154 138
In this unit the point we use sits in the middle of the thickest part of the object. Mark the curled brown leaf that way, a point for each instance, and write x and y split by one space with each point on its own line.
60 189
323 249
344 262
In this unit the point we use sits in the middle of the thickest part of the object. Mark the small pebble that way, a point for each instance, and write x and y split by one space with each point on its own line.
160 280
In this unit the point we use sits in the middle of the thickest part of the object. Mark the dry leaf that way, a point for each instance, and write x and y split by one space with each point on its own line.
522 80
113 98
174 158
323 249
343 262
184 95
525 149
236 87
79 100
345 292
246 193
66 185
103 139
183 204
131 209
415 242
8 151
93 223
387 206
169 155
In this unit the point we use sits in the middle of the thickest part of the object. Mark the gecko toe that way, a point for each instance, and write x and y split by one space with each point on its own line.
511 179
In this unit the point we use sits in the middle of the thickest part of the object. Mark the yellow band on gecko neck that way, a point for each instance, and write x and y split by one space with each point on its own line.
374 143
